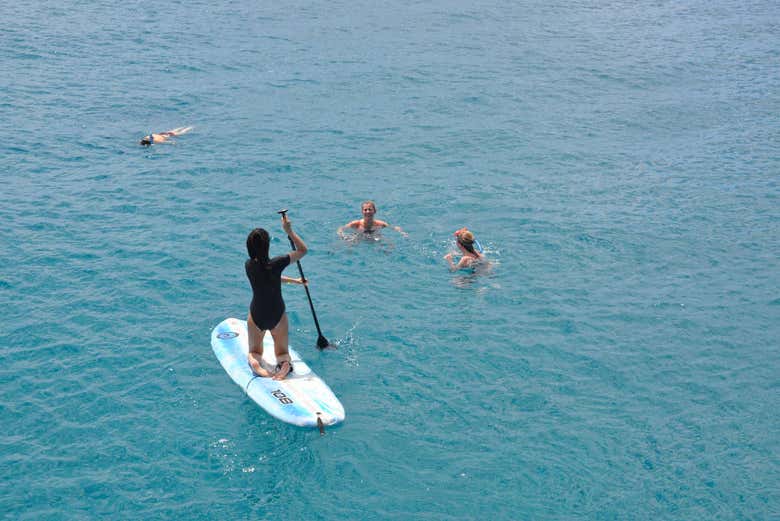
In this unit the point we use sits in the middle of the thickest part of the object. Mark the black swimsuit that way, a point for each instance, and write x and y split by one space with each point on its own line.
267 306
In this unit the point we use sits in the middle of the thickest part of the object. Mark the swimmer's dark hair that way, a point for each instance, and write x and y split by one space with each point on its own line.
257 245
146 141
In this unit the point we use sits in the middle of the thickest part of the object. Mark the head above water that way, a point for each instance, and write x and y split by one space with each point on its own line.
257 244
368 206
147 140
466 239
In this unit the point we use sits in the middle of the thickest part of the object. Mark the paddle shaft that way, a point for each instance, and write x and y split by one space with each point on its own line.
322 342
308 295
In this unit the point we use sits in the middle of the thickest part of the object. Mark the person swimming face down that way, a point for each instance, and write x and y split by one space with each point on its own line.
161 137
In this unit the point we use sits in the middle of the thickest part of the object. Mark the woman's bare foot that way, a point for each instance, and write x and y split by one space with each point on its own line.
255 362
283 371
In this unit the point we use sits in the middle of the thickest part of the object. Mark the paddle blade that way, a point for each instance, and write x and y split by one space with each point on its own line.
323 343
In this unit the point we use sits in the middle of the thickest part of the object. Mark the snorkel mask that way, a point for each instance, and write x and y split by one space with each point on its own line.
466 239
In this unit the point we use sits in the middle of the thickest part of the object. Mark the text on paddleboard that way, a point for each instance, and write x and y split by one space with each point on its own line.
283 398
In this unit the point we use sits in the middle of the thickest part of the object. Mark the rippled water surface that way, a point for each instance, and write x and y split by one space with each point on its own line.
618 160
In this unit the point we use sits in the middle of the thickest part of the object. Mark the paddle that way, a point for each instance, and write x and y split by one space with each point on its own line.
322 342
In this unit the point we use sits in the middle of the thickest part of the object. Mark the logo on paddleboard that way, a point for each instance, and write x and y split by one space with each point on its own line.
283 398
227 335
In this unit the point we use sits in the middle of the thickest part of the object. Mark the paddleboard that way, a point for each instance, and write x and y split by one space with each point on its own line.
300 399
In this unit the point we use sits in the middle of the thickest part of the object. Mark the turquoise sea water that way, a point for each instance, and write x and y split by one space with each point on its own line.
618 160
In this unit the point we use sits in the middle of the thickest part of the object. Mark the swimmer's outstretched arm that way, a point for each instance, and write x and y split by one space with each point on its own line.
384 224
351 224
399 230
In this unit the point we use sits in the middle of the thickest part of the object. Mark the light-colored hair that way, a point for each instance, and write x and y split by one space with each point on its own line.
372 203
466 238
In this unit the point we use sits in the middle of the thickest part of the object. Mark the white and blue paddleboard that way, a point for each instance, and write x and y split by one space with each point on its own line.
302 398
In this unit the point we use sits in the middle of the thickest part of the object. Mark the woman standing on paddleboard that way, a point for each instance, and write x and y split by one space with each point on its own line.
267 311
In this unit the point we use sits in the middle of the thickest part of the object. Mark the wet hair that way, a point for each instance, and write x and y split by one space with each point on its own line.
146 141
257 245
466 239
372 203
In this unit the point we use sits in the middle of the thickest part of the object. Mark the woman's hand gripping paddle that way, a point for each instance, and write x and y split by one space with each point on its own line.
322 342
